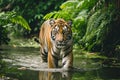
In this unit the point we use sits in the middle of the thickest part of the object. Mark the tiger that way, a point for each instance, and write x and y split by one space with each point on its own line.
56 43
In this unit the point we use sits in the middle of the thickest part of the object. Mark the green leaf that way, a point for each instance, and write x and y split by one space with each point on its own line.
12 17
20 20
69 4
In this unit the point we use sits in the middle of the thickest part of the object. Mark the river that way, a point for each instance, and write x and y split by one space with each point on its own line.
23 63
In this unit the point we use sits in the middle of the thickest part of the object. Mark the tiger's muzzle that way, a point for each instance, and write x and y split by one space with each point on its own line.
60 44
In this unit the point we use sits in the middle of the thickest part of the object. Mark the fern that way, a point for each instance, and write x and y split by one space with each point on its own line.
97 30
67 7
93 30
70 3
12 17
50 15
20 20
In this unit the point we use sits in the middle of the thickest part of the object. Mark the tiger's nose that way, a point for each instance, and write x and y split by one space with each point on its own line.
59 41
60 38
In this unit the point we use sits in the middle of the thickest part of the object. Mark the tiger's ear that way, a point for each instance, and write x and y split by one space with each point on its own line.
52 21
69 23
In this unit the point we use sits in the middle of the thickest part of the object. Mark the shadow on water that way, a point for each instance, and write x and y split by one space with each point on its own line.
23 63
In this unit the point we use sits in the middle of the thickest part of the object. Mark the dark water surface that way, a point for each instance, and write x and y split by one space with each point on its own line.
15 60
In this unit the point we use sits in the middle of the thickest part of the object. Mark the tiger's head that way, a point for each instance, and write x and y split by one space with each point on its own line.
61 33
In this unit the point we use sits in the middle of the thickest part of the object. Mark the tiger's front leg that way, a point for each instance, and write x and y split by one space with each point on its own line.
67 61
44 55
52 61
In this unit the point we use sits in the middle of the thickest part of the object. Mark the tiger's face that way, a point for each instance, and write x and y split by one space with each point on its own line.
61 33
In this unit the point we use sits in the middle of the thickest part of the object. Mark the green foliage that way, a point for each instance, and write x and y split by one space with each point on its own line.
8 19
13 11
12 17
20 20
34 10
95 30
77 11
98 31
93 20
92 23
3 36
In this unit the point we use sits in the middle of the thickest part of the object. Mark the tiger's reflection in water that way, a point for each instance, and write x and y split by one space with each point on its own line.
55 75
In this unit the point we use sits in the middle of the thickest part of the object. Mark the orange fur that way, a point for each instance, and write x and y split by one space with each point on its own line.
62 33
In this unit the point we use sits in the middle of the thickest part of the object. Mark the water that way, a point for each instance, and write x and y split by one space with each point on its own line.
23 63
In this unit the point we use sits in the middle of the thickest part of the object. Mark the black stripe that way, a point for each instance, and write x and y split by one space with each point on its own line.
57 48
67 48
67 52
56 58
44 53
55 55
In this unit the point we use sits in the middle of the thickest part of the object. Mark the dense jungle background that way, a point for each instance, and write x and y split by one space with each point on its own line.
95 24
